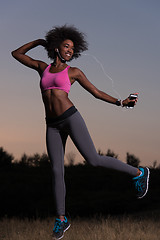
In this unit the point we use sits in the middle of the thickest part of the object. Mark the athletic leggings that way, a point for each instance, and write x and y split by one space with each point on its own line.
75 127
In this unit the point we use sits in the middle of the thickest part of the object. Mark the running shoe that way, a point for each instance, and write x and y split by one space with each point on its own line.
141 182
59 228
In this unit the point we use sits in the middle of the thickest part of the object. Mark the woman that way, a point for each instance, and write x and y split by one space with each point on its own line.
62 118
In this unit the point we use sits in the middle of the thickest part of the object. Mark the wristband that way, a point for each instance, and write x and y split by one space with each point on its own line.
119 103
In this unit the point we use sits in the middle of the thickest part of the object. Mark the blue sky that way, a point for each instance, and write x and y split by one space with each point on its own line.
124 35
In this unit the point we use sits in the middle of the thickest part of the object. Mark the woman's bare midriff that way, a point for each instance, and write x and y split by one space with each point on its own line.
56 102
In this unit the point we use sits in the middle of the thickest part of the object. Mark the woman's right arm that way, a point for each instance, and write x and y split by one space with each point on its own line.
20 55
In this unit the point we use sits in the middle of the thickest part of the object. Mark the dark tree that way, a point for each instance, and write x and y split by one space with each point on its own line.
132 160
35 160
109 153
5 158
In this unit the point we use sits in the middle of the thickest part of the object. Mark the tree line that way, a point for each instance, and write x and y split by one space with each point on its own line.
38 160
26 187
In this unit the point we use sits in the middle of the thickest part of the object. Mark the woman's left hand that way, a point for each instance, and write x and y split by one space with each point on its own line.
126 102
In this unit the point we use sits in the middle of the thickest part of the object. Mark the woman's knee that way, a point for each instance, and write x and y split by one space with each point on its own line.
93 161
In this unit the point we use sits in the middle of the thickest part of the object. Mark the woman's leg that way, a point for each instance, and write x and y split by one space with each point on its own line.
81 138
56 147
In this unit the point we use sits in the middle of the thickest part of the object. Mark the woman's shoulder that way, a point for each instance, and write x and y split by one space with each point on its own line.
75 70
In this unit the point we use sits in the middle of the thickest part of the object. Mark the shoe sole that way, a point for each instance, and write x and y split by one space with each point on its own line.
148 173
67 228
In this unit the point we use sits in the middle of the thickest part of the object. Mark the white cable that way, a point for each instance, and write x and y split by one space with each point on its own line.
101 65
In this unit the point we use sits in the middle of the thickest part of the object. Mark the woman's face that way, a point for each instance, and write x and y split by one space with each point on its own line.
66 49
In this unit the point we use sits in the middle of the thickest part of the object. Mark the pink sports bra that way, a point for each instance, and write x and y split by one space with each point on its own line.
59 80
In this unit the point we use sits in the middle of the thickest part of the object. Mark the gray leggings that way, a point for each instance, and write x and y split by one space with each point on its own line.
56 137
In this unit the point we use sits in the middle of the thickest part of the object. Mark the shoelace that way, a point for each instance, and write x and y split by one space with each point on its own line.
57 226
139 184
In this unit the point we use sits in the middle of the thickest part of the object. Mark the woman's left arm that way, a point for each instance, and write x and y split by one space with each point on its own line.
86 84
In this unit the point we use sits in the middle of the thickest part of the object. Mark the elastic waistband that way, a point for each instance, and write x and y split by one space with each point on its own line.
69 112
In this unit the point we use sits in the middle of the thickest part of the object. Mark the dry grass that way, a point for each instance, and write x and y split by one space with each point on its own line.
110 228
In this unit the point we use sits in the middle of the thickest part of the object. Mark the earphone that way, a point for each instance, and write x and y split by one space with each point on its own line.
62 59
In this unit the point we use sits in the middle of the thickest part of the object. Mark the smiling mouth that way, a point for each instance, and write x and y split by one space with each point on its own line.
68 54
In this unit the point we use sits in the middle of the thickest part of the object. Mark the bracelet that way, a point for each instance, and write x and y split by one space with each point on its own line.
119 103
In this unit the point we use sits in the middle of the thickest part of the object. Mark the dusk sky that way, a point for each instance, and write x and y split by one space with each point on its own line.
124 43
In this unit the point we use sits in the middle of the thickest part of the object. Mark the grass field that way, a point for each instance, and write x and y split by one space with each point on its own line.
143 227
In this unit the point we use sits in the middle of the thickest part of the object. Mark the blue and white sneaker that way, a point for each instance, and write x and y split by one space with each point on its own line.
141 182
59 228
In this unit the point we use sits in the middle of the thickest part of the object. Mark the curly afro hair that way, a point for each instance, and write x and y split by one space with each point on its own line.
58 34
